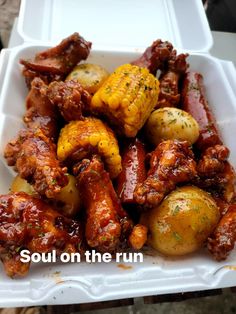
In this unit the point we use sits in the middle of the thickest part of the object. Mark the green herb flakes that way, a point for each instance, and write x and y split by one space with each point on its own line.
176 210
177 236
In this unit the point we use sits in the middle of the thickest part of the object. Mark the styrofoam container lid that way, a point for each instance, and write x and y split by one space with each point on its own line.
63 283
110 24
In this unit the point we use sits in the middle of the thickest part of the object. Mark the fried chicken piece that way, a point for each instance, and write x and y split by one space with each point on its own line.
71 99
12 263
215 172
34 157
228 176
171 163
221 204
47 78
106 220
44 102
29 223
41 114
169 93
222 241
212 161
55 63
155 56
169 80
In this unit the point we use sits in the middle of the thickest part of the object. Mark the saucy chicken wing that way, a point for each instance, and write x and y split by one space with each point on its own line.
29 223
212 161
70 98
222 241
172 162
215 172
169 80
155 56
41 114
54 64
45 102
34 157
106 220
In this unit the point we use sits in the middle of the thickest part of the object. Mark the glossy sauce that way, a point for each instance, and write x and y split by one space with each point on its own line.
133 171
195 103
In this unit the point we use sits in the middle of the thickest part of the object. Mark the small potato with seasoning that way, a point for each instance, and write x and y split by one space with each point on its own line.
67 201
90 76
21 185
182 223
171 123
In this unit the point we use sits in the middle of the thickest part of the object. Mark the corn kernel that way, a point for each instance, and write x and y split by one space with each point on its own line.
103 146
94 139
113 102
96 100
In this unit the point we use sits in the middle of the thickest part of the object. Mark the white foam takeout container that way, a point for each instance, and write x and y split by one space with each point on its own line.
184 24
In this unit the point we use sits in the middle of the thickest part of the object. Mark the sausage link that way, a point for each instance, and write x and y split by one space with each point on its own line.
195 103
133 170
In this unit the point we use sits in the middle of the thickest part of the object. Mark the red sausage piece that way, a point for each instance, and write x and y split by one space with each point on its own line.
133 170
194 102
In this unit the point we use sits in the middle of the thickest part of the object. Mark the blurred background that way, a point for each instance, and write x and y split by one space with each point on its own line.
9 9
221 15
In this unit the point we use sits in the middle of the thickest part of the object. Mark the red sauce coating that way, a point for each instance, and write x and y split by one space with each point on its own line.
133 170
194 102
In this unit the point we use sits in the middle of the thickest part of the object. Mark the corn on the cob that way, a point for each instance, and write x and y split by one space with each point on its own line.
91 135
127 98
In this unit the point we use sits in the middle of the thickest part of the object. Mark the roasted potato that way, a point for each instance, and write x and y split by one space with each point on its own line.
90 76
182 222
67 201
21 185
171 123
